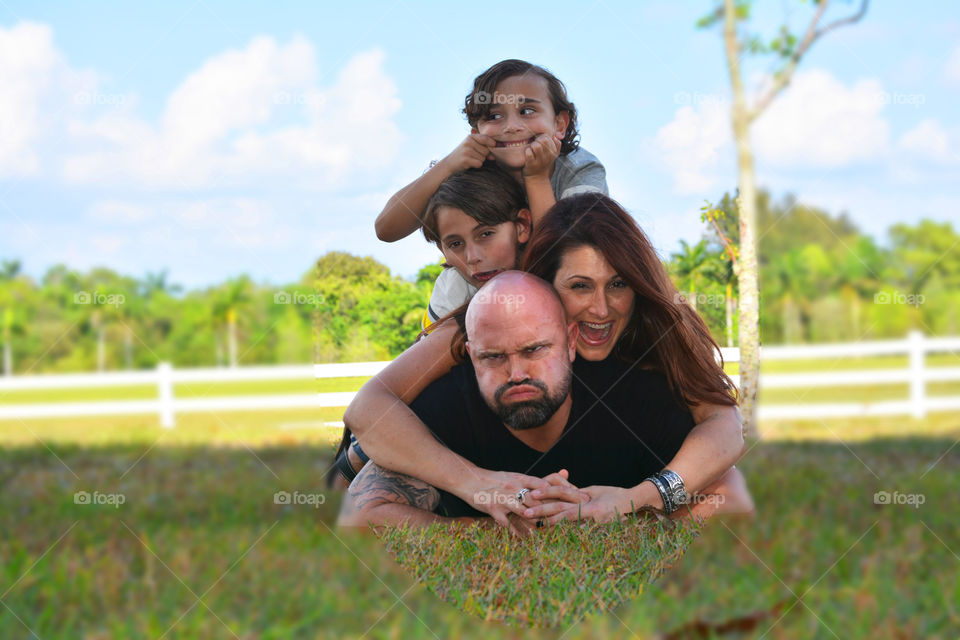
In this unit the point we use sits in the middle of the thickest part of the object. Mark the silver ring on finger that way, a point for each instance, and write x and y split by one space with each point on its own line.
522 493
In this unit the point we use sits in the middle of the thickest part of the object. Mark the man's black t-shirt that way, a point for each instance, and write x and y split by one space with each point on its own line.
624 426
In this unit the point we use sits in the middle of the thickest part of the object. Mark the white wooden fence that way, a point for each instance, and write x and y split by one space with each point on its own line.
916 346
166 405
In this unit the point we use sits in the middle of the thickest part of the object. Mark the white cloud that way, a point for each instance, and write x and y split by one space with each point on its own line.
819 122
951 71
38 85
241 116
928 141
691 145
246 115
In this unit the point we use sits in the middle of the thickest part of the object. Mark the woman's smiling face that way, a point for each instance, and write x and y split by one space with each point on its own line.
596 298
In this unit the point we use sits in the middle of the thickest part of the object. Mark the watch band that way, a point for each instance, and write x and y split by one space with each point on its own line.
664 494
670 486
678 494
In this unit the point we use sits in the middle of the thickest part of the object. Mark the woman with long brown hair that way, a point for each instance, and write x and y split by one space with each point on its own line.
615 288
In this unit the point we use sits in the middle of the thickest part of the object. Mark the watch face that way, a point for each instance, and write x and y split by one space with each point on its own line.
679 496
675 488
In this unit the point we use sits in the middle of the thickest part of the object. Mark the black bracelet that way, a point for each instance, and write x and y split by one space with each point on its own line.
664 495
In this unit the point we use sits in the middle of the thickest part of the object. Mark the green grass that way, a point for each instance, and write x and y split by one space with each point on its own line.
850 430
871 393
820 559
555 577
227 429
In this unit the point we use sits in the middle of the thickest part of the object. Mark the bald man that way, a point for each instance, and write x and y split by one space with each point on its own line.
524 402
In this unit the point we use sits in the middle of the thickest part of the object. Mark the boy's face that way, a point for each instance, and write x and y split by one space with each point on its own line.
520 110
480 251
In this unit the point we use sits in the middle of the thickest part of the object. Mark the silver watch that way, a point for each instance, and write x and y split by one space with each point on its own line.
675 489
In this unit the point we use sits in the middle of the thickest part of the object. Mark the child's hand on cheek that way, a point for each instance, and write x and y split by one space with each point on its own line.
471 153
541 156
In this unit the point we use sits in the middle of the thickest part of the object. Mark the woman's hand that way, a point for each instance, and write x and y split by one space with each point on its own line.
495 493
596 503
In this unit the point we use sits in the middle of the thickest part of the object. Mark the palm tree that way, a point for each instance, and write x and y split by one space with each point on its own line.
234 296
723 271
694 266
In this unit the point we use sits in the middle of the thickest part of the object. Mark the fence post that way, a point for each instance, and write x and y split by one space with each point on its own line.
918 382
165 389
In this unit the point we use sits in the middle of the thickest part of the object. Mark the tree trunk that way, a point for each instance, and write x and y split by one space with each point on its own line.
749 312
232 336
7 346
729 304
746 269
7 356
128 347
101 349
856 317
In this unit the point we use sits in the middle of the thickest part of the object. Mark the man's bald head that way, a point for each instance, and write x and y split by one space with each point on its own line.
521 348
514 296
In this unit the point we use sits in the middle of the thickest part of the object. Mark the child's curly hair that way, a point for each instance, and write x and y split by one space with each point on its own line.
486 83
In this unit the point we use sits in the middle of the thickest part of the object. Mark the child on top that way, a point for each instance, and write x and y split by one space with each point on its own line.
520 117
479 220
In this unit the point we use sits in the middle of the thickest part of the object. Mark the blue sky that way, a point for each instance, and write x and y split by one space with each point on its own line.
212 138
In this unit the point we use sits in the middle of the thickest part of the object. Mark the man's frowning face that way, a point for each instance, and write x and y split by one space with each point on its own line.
522 353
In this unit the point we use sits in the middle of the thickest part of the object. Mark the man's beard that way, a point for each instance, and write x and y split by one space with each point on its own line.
529 414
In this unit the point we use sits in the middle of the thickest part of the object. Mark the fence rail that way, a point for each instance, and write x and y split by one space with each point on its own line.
167 406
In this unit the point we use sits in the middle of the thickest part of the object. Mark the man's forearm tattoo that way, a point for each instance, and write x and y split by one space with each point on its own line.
374 484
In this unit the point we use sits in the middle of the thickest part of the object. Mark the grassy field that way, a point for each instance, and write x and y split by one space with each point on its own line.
200 549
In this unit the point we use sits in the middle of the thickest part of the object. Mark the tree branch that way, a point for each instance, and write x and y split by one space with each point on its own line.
782 79
731 250
848 20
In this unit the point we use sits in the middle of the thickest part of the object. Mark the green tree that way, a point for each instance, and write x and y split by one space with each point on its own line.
364 310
